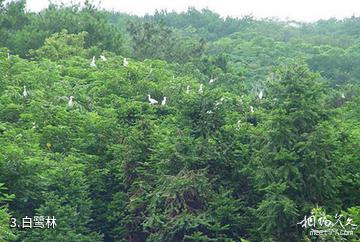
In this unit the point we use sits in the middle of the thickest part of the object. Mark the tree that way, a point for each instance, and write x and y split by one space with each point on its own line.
156 41
67 199
297 163
60 46
5 232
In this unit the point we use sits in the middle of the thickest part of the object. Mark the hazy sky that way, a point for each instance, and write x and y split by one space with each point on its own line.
300 10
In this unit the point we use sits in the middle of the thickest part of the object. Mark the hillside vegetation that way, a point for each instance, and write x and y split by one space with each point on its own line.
259 128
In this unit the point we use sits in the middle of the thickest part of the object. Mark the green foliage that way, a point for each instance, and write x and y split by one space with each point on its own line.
62 46
5 232
67 199
299 160
219 164
156 41
25 31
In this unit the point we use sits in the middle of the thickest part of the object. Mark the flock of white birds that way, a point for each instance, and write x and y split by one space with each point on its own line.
151 100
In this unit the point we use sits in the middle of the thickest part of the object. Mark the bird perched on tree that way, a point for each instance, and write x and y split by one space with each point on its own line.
71 102
201 89
211 81
8 56
342 95
261 94
25 93
151 100
241 99
103 58
217 103
187 89
125 62
251 109
163 102
93 64
238 124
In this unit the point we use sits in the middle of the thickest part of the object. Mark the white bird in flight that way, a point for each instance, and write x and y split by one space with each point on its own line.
151 100
103 58
187 89
125 62
93 64
163 102
201 89
25 93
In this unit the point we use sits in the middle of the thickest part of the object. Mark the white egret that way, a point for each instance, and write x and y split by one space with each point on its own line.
8 56
238 124
261 94
93 64
241 99
201 89
103 58
163 101
217 103
251 109
25 93
33 125
71 102
125 62
209 112
187 89
342 95
151 100
211 81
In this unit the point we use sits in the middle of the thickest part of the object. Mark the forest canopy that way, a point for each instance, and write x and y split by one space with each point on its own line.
177 126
